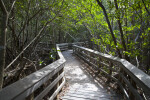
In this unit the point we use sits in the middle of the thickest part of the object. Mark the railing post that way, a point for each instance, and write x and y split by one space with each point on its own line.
69 45
122 83
73 49
98 64
134 86
55 87
110 72
132 82
99 60
30 97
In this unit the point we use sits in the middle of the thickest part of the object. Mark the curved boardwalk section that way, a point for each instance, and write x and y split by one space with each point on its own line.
81 86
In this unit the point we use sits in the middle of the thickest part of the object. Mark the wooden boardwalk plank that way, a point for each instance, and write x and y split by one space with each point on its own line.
81 85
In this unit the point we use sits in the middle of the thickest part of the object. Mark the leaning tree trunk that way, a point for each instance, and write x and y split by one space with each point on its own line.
121 32
110 28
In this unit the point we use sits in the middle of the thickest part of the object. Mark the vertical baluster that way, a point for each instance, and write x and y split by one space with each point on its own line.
134 85
110 72
77 50
89 58
120 79
123 83
100 65
56 86
73 49
30 97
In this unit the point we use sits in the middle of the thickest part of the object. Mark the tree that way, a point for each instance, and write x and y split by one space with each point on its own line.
4 24
110 28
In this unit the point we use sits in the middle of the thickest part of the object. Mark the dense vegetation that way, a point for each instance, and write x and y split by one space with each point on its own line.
116 27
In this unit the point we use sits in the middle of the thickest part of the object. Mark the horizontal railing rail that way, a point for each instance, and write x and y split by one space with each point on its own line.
66 46
50 77
134 83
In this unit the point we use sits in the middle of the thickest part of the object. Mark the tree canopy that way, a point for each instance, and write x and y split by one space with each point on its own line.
116 27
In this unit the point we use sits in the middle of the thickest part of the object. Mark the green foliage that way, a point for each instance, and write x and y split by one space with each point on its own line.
41 62
53 54
85 20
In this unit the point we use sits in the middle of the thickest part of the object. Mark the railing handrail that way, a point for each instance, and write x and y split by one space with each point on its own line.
26 86
141 78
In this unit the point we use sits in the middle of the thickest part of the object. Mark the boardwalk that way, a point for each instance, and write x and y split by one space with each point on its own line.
83 82
81 85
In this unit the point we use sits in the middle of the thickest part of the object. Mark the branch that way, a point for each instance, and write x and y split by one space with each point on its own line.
137 62
34 39
35 15
3 7
146 7
86 26
30 43
12 6
28 20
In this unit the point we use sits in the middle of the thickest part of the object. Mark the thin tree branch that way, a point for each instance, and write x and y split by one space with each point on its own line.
34 38
146 7
12 6
3 7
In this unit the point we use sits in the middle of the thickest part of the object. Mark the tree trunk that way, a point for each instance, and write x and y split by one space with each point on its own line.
110 28
121 32
3 47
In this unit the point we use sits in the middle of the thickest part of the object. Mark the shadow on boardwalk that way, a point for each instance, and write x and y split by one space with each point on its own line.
80 84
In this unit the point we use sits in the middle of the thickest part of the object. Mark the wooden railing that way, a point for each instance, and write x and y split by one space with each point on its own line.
44 83
50 77
132 82
66 46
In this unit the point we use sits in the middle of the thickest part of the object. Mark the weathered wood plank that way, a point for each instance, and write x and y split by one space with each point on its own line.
57 91
81 84
145 79
134 91
29 84
141 79
124 91
45 91
97 68
24 87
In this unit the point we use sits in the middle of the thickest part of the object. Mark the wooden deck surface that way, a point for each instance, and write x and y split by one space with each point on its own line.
82 86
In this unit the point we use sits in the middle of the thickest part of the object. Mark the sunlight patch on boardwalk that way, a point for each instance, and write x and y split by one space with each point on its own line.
81 86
